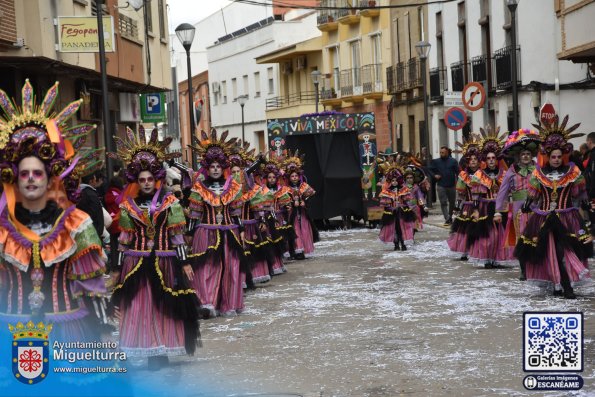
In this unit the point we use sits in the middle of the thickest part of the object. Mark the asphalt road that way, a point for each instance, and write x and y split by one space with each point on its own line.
358 319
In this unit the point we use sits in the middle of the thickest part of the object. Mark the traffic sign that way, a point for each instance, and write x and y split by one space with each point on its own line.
547 113
455 118
153 107
453 98
474 96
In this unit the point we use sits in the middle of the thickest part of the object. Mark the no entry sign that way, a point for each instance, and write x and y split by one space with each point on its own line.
547 114
474 96
455 118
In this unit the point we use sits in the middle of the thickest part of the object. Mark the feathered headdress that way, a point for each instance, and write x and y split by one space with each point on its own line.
413 166
391 170
271 164
212 148
555 136
293 162
242 155
470 147
520 140
140 155
491 142
35 130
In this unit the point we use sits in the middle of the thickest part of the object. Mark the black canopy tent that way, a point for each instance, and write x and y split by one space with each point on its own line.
332 163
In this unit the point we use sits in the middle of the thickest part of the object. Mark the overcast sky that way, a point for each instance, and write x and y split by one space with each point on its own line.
192 11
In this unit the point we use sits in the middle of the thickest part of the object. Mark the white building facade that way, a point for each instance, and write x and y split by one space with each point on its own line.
471 41
233 72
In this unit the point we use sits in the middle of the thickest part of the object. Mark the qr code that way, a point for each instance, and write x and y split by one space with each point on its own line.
553 342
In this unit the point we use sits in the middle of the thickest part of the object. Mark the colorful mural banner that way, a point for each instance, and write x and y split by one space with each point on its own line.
362 123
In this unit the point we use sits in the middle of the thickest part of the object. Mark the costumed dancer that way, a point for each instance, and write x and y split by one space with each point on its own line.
51 261
555 245
280 229
464 207
415 178
158 306
306 233
522 145
254 264
398 218
217 228
484 237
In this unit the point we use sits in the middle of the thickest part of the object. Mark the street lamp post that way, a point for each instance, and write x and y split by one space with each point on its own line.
107 136
242 99
423 49
185 33
512 5
316 80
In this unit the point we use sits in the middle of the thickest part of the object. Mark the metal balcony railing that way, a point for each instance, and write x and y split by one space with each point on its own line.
298 98
459 72
372 78
438 84
330 86
479 68
413 73
503 67
351 82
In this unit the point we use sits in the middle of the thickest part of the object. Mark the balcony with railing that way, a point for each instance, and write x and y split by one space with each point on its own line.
330 89
502 66
371 9
300 98
479 68
327 20
347 15
351 85
459 74
395 77
438 84
372 81
414 78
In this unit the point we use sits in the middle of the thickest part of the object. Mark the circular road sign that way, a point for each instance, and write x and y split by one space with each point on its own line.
474 96
455 118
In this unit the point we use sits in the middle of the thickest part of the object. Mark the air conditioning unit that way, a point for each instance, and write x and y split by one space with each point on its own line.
216 87
301 63
286 67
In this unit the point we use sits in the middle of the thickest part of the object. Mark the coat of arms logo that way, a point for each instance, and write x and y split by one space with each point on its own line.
30 351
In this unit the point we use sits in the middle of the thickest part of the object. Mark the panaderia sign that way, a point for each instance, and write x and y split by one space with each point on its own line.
79 34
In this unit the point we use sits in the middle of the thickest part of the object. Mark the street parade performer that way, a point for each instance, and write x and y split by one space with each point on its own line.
280 230
306 233
52 264
158 306
255 262
555 245
465 211
522 145
415 178
216 226
485 236
398 219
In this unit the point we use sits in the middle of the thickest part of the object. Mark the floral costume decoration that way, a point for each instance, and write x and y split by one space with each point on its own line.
158 305
51 262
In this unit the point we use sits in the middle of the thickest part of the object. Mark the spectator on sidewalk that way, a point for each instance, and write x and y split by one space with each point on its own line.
445 170
89 200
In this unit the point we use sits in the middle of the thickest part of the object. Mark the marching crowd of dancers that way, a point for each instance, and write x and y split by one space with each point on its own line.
181 255
533 212
178 257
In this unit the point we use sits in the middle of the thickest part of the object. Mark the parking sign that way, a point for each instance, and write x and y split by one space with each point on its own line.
153 108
